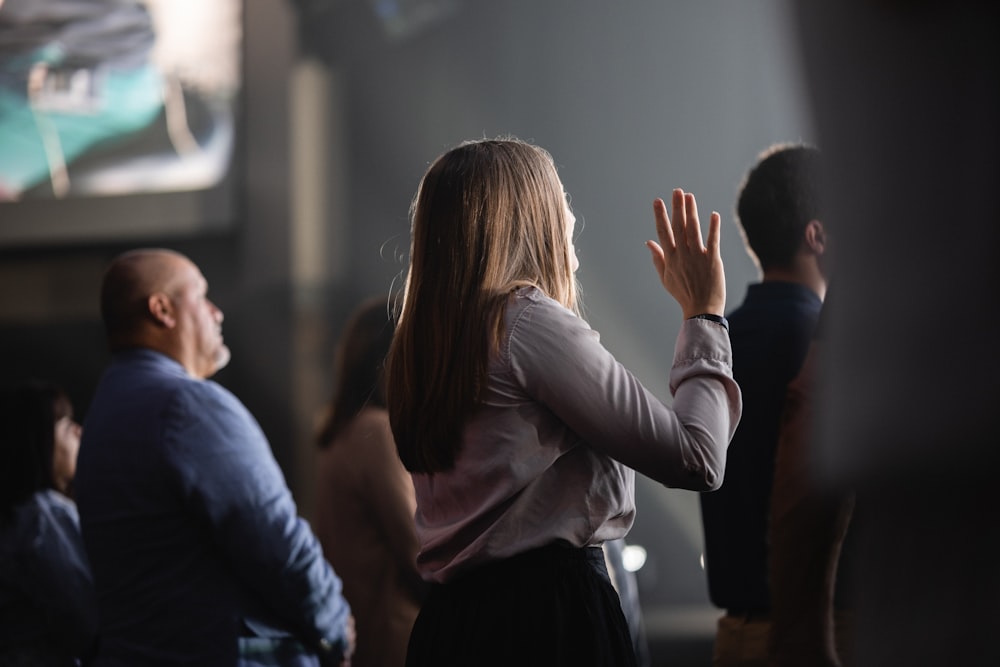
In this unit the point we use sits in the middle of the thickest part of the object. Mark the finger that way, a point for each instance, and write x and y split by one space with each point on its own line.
679 219
714 233
659 261
663 230
693 227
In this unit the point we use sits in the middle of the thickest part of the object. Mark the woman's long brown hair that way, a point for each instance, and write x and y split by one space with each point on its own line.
489 216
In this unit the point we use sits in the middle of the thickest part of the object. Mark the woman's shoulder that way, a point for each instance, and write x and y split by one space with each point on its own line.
56 502
529 308
46 503
46 512
531 299
530 294
534 323
371 424
372 417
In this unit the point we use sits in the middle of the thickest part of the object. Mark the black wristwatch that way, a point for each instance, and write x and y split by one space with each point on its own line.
718 319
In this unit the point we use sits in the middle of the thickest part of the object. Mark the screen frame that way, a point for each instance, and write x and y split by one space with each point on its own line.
141 216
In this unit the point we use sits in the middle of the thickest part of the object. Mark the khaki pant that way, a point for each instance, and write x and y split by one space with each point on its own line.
741 641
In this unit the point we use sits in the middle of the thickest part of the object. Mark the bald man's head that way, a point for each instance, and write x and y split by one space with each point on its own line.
129 281
156 299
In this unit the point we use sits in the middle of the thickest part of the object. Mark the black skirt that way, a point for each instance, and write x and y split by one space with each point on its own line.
548 607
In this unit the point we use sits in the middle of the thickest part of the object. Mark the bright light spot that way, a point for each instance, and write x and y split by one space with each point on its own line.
701 561
633 557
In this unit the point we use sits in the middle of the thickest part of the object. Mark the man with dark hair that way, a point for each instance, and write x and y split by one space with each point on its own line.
780 212
198 553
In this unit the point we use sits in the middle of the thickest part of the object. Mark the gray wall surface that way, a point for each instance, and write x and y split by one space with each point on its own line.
632 99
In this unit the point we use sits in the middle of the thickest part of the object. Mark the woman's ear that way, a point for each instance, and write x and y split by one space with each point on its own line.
815 237
162 309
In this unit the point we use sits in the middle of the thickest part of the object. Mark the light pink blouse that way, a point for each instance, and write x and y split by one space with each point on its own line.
551 453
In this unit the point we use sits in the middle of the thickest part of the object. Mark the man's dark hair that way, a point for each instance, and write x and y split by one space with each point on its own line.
777 199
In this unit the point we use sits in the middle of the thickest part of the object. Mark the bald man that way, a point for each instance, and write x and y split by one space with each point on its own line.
198 552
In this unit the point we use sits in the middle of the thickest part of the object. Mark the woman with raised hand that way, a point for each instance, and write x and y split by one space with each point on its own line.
522 432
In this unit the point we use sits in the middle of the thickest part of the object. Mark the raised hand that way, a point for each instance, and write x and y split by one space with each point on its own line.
691 271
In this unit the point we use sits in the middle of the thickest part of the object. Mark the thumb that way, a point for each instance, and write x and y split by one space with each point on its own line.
657 254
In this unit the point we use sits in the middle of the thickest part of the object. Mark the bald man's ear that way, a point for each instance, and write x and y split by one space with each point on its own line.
162 309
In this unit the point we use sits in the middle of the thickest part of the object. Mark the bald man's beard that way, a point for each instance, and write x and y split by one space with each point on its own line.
222 357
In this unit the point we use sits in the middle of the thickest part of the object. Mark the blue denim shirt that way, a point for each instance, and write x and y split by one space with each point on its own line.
192 533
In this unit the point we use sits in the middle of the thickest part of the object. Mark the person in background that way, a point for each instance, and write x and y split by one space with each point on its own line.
364 497
810 544
907 415
522 432
780 211
198 552
48 606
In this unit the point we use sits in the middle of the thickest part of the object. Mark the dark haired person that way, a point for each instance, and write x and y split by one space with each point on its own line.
364 497
198 553
780 212
48 606
522 432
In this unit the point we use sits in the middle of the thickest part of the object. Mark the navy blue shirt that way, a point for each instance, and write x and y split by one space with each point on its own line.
190 528
770 333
